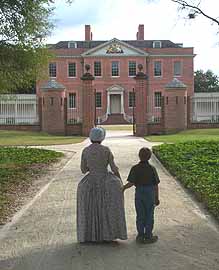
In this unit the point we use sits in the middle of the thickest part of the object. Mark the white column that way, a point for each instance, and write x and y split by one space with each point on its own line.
122 103
108 103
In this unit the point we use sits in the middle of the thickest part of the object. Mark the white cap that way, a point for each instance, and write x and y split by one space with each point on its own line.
97 134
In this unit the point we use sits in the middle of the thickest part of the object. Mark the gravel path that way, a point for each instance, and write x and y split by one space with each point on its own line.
42 236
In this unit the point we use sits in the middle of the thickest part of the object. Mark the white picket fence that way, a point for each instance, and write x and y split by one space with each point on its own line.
19 109
205 108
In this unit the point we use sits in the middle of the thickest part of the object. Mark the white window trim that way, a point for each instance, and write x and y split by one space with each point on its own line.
158 76
156 91
51 77
71 77
116 76
74 42
132 76
75 108
181 63
156 41
101 70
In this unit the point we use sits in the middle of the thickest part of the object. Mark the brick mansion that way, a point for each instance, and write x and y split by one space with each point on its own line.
113 65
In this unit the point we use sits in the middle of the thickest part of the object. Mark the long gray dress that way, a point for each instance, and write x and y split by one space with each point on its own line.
100 201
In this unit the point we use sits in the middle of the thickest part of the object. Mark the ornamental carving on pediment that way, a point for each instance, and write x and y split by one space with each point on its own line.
114 48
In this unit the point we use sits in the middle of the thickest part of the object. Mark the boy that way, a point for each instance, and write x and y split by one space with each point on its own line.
145 178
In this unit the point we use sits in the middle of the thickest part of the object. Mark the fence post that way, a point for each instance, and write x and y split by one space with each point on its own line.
87 102
175 108
53 115
39 108
140 98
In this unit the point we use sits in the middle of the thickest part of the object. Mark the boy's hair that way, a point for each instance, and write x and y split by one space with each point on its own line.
144 154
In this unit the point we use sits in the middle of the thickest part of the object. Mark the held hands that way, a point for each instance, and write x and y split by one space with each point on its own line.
157 202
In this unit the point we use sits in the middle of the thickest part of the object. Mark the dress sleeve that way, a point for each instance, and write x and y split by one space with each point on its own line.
112 164
84 167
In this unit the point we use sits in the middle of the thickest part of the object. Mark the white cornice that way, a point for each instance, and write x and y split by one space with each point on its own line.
139 52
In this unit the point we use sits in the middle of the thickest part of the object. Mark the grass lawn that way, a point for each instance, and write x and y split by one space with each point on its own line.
196 165
18 168
35 138
187 135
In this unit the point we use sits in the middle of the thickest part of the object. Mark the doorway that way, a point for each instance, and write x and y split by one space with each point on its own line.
115 103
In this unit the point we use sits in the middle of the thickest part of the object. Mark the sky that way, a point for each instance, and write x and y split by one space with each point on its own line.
161 18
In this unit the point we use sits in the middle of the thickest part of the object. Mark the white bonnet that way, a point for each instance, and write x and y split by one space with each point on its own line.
97 134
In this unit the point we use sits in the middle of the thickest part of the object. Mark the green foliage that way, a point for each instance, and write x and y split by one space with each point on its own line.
187 135
206 81
24 26
18 166
196 165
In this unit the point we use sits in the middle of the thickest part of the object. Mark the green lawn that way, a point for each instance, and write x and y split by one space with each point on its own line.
187 135
18 168
35 138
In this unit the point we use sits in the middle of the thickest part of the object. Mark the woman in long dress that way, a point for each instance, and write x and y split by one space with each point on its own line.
100 201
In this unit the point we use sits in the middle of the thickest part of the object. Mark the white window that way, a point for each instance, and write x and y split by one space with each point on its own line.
71 69
177 68
115 68
97 69
157 99
72 44
157 44
132 68
72 101
98 100
157 69
52 70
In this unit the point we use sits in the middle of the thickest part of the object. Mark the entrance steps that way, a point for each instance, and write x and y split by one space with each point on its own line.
115 119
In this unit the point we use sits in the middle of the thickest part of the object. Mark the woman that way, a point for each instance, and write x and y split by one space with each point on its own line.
100 202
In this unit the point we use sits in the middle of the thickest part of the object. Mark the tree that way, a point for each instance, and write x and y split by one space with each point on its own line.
193 8
206 81
23 28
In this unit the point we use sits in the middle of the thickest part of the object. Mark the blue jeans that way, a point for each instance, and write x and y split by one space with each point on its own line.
144 205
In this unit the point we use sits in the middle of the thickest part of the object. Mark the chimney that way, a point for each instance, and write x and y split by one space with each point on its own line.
140 35
87 32
137 35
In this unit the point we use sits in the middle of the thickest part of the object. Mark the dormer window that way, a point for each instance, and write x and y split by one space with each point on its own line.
72 45
157 44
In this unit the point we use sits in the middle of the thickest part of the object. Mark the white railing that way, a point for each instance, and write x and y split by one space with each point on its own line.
128 118
19 109
205 108
101 119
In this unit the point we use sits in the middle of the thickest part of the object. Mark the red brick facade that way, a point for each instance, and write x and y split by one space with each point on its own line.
115 89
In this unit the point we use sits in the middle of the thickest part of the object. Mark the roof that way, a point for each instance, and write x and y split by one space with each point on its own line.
175 83
52 84
135 43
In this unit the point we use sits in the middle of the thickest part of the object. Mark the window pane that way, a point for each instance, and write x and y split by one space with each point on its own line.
157 68
98 100
132 68
71 69
131 99
157 99
97 68
52 69
177 68
115 68
72 100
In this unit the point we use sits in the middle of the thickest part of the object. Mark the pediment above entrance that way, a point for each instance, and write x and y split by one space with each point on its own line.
114 48
115 89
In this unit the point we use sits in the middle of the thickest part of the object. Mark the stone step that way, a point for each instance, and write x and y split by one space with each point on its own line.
115 119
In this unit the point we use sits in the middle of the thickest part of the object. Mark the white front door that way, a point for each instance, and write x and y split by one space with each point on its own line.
115 103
